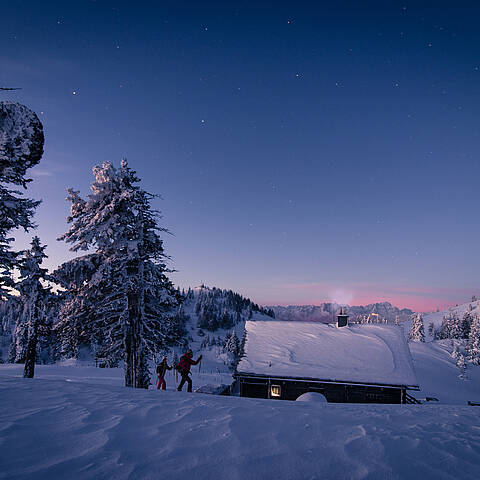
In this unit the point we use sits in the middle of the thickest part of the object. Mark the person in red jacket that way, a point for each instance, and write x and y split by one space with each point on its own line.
161 371
186 361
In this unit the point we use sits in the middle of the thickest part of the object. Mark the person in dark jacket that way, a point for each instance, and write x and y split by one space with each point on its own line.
186 361
161 371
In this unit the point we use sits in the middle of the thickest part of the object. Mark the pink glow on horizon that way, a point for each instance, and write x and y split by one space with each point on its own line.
416 298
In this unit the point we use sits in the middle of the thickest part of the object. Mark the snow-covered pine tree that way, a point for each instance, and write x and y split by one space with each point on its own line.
451 327
33 297
173 359
75 327
465 324
473 345
232 344
135 299
455 352
431 329
417 332
21 147
462 365
10 310
455 326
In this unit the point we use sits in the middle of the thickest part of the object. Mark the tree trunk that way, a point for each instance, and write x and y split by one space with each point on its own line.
30 356
128 360
137 374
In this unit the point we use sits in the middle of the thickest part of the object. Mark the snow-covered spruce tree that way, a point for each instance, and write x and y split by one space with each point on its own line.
473 345
134 299
455 326
9 312
451 327
33 297
462 365
455 352
466 324
75 327
417 332
21 147
232 344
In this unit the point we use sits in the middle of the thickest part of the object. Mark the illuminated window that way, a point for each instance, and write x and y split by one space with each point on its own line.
275 391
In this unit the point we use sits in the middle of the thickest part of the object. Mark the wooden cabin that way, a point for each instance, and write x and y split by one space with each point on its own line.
345 363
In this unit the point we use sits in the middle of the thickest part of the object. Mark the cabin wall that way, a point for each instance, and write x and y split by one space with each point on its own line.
333 392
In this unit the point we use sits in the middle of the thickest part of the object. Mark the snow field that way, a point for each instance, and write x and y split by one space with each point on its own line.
439 376
53 429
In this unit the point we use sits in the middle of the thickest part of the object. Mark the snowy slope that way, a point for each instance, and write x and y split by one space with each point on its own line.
460 310
439 376
437 317
53 429
214 361
357 353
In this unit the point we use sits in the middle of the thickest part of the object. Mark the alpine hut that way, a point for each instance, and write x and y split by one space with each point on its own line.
345 363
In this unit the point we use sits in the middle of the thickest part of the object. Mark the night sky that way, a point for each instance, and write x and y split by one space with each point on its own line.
305 151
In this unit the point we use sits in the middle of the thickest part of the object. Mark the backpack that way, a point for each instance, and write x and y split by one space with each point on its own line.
182 365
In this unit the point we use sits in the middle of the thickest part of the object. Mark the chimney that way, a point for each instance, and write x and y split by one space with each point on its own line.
342 318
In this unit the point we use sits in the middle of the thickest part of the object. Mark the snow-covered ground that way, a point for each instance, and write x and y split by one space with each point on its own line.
77 421
439 376
56 429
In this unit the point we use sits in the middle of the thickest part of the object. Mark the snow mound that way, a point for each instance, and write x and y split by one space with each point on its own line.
314 397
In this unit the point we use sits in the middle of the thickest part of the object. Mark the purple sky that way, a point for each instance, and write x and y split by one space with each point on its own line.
305 151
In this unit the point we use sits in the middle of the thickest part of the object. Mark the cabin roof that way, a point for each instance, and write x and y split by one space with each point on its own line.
374 354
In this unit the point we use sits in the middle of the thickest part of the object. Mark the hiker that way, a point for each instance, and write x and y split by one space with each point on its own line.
161 371
186 361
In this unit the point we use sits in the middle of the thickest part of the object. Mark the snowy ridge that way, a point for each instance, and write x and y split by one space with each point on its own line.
376 354
325 312
437 317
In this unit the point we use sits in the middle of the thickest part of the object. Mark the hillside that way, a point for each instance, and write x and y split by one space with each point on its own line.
325 312
437 317
211 315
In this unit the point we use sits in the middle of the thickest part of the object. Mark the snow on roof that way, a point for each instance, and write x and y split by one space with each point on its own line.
358 353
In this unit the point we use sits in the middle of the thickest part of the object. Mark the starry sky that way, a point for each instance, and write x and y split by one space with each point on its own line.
305 151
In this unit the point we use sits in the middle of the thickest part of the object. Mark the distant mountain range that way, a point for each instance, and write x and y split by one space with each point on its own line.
326 312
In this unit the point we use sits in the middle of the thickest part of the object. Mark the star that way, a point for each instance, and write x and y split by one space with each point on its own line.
74 92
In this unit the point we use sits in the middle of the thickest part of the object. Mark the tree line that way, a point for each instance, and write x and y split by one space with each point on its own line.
116 295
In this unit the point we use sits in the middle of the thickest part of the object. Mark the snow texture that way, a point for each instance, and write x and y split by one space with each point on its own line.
89 430
375 354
